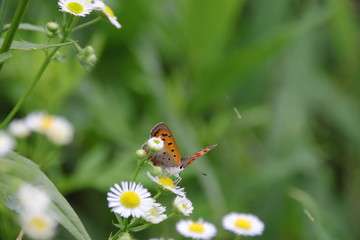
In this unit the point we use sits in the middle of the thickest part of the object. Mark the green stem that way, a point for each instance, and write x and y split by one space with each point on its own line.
157 195
3 10
30 88
13 27
237 237
95 20
139 166
114 237
171 215
38 75
21 234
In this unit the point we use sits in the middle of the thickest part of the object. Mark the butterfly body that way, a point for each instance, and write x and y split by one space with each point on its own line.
169 158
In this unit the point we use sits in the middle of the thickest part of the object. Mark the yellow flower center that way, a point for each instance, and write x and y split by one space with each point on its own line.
47 122
197 227
110 12
242 223
153 212
38 223
184 206
130 199
75 7
167 182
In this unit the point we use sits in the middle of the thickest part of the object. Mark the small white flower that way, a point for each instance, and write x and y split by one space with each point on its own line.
32 199
130 199
7 143
243 224
38 225
61 132
161 239
183 205
196 229
76 7
39 121
155 144
155 214
56 128
100 5
18 128
167 183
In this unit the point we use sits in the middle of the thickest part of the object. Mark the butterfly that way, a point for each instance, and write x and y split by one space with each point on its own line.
169 158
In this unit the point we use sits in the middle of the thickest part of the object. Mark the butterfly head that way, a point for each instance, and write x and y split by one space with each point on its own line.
175 171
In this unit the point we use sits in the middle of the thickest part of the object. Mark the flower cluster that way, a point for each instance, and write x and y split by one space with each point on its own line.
241 224
58 129
131 199
35 218
84 7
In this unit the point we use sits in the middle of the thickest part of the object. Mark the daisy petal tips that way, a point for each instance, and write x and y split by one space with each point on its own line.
129 199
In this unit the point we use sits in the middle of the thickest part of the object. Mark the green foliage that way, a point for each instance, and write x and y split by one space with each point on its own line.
273 83
15 168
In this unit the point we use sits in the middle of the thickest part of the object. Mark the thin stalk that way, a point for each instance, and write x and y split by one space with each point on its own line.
137 170
95 20
9 37
157 195
21 234
30 88
37 77
3 10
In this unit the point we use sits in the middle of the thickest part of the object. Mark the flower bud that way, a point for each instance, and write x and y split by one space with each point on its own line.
140 153
52 26
156 171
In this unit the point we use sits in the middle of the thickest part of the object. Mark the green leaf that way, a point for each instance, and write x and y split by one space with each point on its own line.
14 167
141 227
27 26
17 45
5 56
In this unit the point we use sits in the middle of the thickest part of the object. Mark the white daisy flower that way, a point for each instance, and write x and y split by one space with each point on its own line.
155 214
167 183
196 229
32 199
56 128
38 225
130 199
61 132
161 239
183 205
243 224
76 7
39 121
18 128
100 5
7 143
155 144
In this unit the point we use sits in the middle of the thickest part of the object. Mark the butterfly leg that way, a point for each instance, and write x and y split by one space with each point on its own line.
177 180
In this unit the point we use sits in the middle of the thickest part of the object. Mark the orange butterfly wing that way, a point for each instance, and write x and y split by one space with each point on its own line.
186 161
170 147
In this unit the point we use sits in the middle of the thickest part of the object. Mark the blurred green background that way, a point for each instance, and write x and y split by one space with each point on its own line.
273 83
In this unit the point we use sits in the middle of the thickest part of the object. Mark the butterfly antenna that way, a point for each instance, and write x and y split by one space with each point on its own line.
196 170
